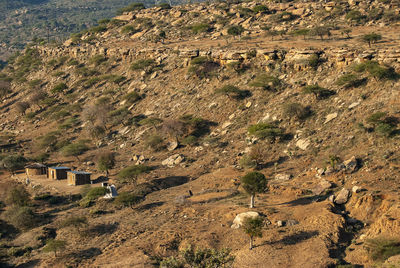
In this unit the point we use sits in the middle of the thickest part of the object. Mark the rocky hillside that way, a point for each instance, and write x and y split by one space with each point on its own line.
192 98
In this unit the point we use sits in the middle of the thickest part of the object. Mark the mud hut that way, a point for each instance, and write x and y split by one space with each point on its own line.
78 177
35 169
57 173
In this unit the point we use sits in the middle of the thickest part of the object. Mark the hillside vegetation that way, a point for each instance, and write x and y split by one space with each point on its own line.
195 112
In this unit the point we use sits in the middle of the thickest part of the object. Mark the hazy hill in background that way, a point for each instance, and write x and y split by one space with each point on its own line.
22 20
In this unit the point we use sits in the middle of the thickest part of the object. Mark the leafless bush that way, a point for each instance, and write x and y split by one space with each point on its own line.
37 97
22 106
174 128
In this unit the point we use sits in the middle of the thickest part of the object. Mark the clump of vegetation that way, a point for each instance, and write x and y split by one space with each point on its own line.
22 106
383 124
200 28
371 38
130 174
380 248
253 183
126 199
53 245
105 161
131 7
132 97
235 30
319 92
129 29
143 65
77 222
376 70
202 67
155 142
18 196
266 82
21 217
297 111
60 87
233 92
355 16
350 81
266 131
190 257
97 60
12 163
75 149
91 195
5 88
260 9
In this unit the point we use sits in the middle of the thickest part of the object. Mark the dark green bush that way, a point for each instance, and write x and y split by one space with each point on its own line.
18 196
142 64
155 142
97 59
129 29
200 28
233 92
131 7
132 97
350 81
265 131
376 70
318 92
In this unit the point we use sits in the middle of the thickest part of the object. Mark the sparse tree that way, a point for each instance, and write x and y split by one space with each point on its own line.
22 106
106 161
37 98
13 163
53 245
130 174
74 149
252 226
236 30
346 32
253 183
371 38
304 32
5 88
320 31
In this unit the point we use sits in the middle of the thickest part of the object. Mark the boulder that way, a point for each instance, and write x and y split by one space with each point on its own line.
322 187
283 177
342 197
173 160
356 189
303 144
351 165
330 117
172 145
238 221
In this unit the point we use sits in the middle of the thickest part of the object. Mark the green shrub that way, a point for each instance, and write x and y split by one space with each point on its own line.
53 245
376 70
235 30
59 88
260 9
97 59
126 199
98 29
265 131
13 163
233 92
303 32
355 15
190 140
247 162
371 38
142 64
164 6
129 29
131 7
74 149
380 248
349 81
132 97
18 196
266 82
297 111
317 91
155 142
283 16
21 217
75 221
91 82
130 174
200 28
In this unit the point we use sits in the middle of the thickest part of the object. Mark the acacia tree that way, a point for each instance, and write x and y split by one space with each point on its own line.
253 228
236 30
371 38
253 183
74 149
53 245
106 161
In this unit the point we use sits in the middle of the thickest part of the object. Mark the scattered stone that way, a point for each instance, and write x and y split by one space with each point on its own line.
291 222
342 197
303 144
356 189
283 177
248 105
279 223
331 198
173 160
353 105
172 145
238 221
351 165
330 117
226 124
322 187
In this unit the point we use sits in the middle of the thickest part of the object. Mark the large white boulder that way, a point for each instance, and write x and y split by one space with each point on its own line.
238 221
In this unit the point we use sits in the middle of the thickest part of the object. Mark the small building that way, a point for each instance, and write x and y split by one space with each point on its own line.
35 169
57 173
78 177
